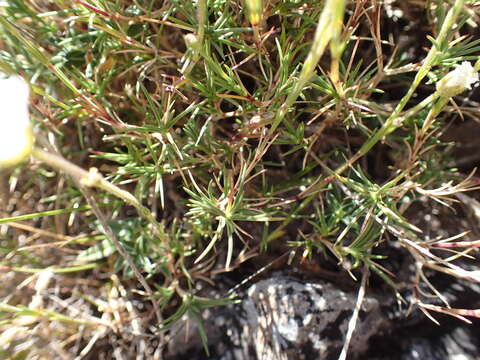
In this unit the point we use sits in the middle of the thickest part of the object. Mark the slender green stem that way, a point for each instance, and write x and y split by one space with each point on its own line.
430 59
420 106
337 45
63 270
93 178
433 113
202 18
393 122
331 17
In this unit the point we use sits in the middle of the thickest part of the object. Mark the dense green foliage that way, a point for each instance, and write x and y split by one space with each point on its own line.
237 138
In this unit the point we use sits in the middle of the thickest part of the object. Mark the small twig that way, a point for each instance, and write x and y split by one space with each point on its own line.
353 321
119 247
83 179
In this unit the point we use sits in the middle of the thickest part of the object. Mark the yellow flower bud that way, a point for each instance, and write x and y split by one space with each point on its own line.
16 137
458 80
255 11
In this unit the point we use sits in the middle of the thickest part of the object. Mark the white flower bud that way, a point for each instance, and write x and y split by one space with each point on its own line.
191 40
16 137
458 80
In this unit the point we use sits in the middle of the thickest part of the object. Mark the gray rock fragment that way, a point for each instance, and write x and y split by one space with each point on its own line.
282 318
288 319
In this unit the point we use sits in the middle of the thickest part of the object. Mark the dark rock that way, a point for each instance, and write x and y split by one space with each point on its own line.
282 318
288 319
